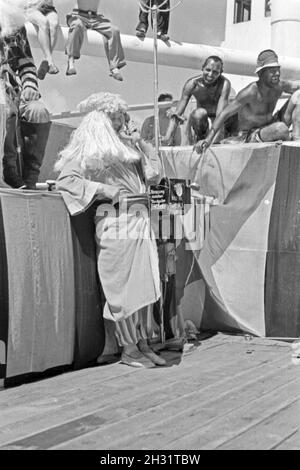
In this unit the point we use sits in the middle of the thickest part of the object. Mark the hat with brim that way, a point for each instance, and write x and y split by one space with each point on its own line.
265 59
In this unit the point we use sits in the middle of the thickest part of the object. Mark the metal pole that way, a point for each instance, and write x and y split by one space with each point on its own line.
154 12
156 113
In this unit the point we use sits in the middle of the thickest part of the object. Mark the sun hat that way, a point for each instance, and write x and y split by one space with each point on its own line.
267 58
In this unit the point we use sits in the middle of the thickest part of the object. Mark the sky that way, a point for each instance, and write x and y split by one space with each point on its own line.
194 21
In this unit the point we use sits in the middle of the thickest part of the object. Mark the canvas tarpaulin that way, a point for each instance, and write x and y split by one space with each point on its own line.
244 278
247 272
50 300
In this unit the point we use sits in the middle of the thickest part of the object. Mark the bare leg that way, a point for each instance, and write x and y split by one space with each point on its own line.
273 132
296 123
198 122
292 114
53 29
74 43
40 23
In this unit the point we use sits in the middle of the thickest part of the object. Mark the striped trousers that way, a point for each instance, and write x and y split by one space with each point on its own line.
140 325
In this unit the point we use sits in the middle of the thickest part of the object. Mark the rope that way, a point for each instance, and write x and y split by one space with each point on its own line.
199 169
146 8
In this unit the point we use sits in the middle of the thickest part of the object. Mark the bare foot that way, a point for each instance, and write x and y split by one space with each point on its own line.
116 75
53 69
71 71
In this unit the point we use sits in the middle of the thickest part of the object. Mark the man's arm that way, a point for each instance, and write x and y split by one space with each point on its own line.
293 102
243 97
182 104
23 64
290 86
223 101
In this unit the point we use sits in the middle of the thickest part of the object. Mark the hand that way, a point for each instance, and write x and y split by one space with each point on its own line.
135 137
131 126
28 94
201 146
106 191
165 140
170 111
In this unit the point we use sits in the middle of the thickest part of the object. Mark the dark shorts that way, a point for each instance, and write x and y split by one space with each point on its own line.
244 137
45 9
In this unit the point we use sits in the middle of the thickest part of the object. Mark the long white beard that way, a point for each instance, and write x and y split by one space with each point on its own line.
13 14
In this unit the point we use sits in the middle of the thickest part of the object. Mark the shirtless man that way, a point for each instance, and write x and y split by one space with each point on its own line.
84 16
292 115
255 105
211 91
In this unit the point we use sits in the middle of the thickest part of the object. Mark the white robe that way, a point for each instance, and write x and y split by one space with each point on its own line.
127 264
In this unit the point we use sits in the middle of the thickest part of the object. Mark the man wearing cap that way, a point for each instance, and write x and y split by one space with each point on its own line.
255 105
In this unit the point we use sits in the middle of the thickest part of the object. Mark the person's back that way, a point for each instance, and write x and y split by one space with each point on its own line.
147 131
148 128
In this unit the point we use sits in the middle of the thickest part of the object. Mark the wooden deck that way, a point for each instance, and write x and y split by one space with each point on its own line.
224 393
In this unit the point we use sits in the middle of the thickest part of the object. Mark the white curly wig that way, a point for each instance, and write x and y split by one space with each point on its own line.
95 146
106 102
14 13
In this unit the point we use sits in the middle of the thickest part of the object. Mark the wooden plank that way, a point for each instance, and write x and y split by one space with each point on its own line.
156 426
99 390
291 442
223 428
66 380
198 363
176 383
202 427
268 433
69 381
34 395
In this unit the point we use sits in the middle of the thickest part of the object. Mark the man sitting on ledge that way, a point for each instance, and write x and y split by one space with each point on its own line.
211 91
84 16
255 105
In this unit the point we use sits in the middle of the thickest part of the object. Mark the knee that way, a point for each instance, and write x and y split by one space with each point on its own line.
115 30
76 26
296 113
282 131
35 111
11 111
199 113
43 24
198 117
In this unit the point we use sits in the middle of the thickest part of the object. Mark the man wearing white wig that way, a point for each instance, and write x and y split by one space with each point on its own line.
14 14
100 162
